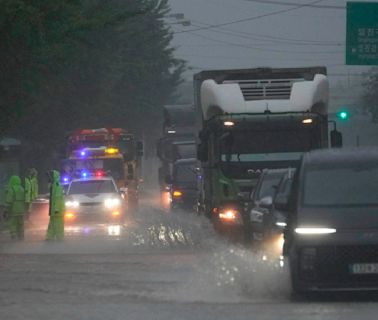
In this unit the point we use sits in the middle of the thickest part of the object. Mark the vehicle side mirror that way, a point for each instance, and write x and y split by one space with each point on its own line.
202 152
336 139
281 202
140 148
123 190
266 202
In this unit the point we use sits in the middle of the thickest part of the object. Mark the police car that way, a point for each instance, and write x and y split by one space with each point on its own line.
94 199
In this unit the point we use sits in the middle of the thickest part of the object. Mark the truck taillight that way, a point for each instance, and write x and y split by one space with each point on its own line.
177 193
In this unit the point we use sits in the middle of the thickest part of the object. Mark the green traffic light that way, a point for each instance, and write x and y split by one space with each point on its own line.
343 115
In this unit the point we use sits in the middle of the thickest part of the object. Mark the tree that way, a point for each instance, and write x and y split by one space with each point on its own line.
73 63
370 94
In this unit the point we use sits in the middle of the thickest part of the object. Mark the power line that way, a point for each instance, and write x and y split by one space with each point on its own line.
244 58
263 49
247 19
310 5
270 37
276 40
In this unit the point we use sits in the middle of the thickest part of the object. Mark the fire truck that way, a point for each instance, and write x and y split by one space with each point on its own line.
105 151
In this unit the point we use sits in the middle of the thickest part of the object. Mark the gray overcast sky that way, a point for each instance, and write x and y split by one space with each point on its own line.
297 37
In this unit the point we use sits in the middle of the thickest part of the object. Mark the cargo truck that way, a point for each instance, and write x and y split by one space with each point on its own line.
251 120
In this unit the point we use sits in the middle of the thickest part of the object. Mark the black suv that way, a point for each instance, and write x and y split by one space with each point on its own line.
266 222
332 233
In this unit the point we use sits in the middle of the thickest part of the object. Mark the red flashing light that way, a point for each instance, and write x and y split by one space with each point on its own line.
99 173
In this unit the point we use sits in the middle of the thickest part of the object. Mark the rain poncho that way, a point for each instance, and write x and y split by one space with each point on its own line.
55 229
15 207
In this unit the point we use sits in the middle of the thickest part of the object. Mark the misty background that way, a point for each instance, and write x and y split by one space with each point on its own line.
89 63
256 33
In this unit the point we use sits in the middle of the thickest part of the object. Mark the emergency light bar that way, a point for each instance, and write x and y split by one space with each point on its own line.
111 150
85 173
101 151
96 173
101 134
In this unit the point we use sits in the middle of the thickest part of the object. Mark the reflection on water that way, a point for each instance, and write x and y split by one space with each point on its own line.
74 229
114 230
94 230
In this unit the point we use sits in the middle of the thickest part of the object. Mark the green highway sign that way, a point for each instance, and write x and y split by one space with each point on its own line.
362 33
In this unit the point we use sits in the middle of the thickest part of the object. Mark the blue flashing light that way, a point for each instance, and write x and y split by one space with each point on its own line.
65 179
84 174
83 153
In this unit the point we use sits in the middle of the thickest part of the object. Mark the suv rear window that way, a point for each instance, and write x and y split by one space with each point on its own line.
353 185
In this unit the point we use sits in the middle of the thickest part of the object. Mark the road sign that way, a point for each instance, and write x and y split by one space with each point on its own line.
362 33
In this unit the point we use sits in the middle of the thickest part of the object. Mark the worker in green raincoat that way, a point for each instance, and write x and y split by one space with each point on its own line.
31 189
34 183
55 229
15 207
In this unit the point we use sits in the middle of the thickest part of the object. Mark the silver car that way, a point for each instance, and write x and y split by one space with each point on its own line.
94 199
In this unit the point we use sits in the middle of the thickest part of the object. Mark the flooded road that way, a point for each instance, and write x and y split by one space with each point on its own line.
157 265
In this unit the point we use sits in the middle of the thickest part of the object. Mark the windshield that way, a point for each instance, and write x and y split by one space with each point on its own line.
285 186
269 185
354 185
262 146
92 186
185 151
114 166
186 174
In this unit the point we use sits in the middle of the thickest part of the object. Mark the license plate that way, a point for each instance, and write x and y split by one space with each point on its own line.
364 268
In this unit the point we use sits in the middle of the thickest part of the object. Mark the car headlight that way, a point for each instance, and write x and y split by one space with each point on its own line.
72 204
112 203
281 224
314 231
